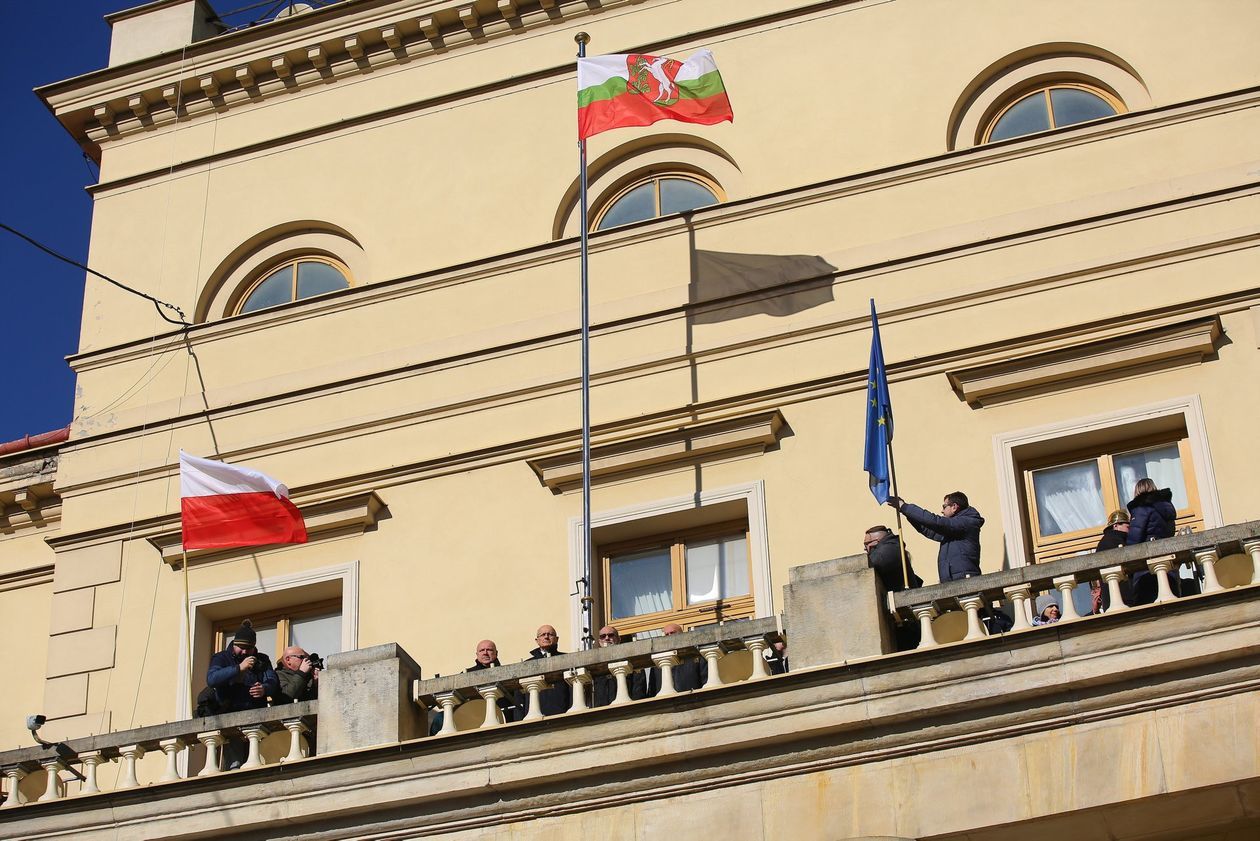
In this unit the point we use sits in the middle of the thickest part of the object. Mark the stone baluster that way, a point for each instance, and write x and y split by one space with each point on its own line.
1065 584
491 693
1208 558
447 701
578 679
296 728
925 613
14 775
254 734
1019 595
665 663
91 761
757 646
534 685
621 674
972 604
1160 568
1252 548
1111 577
171 747
213 740
53 790
129 753
711 653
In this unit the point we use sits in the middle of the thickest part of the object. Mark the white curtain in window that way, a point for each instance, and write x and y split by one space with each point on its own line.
717 568
1160 464
1069 498
641 583
317 634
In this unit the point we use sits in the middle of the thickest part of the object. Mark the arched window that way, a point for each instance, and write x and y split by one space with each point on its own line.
1050 106
302 277
658 195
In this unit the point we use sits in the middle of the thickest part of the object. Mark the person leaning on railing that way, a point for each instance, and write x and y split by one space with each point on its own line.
1152 516
487 657
242 679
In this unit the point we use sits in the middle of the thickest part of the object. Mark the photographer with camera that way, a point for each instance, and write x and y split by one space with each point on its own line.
299 674
241 678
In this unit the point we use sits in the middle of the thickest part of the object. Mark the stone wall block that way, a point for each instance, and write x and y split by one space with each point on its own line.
81 651
835 612
65 696
365 699
72 611
88 567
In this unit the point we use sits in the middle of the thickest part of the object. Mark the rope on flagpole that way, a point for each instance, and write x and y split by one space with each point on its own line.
582 40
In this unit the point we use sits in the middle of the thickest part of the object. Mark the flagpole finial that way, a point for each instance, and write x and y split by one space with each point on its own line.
582 39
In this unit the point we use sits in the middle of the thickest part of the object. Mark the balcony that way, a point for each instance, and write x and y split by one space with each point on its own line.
1144 720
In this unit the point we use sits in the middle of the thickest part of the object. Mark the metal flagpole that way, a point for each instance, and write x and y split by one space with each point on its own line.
901 540
192 703
582 40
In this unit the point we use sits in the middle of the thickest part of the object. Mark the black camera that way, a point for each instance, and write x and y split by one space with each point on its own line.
316 661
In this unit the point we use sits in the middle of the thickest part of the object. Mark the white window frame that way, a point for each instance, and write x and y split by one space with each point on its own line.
1010 478
754 496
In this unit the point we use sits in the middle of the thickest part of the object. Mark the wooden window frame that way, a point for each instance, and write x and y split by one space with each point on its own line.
1067 544
1044 89
266 274
224 629
655 178
686 615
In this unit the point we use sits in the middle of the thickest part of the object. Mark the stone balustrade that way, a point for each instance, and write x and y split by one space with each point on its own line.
179 739
580 670
1020 587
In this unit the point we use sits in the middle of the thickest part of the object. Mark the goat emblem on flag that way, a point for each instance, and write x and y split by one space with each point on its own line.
653 77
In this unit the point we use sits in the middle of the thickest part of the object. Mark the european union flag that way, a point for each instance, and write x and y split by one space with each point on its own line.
879 419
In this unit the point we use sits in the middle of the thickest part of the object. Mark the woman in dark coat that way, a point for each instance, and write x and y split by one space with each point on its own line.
1151 516
1151 513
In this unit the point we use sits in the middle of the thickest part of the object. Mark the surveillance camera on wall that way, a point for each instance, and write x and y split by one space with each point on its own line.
34 722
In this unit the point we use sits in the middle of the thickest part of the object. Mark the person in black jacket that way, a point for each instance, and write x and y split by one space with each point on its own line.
604 687
1151 516
558 697
242 676
957 529
883 550
487 657
1114 536
690 673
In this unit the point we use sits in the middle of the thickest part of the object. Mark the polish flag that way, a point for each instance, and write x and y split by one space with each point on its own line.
224 505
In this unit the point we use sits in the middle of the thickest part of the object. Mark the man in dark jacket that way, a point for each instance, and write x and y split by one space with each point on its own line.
883 550
1152 514
299 679
241 675
487 657
690 673
558 697
957 529
604 687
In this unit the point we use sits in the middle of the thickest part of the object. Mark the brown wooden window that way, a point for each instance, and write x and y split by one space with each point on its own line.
302 277
1050 106
1069 495
315 627
693 577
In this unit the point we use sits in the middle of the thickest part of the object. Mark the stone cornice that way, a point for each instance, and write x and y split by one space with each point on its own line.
322 46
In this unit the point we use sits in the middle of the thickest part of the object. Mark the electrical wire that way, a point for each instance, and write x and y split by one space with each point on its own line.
157 304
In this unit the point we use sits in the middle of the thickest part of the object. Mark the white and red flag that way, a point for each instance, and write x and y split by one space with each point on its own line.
226 505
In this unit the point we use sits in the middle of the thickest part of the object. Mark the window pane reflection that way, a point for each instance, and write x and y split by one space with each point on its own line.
1073 106
318 278
1024 117
641 582
317 634
1160 464
680 194
634 206
276 289
1069 498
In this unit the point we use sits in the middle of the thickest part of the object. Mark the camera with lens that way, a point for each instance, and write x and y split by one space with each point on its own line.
315 660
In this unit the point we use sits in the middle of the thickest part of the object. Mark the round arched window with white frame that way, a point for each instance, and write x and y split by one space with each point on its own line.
294 280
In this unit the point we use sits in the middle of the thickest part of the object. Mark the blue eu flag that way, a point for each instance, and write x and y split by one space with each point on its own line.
879 419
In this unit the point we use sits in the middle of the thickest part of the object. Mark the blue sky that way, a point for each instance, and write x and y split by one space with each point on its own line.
44 174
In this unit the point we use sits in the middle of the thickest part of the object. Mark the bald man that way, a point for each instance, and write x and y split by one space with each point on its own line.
690 673
487 657
557 698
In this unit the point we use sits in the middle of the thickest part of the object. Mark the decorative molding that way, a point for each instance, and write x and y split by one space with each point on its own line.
345 515
32 577
1191 341
686 444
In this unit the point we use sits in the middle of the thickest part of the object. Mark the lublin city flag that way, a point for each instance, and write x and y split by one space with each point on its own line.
615 91
879 419
226 505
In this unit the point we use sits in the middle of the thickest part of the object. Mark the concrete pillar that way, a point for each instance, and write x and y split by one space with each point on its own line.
91 760
53 768
171 747
972 604
1252 548
14 775
1019 596
491 695
1112 576
757 646
533 685
578 680
1160 567
925 613
1208 558
296 728
447 701
835 612
130 753
665 662
1065 584
254 734
365 700
621 673
711 653
213 740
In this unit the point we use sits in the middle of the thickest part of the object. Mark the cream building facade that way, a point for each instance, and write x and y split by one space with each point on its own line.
1053 204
